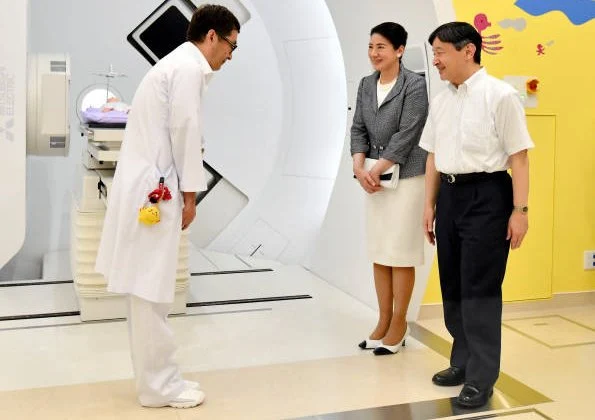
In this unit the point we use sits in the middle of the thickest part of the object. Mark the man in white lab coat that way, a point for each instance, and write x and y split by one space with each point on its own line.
163 139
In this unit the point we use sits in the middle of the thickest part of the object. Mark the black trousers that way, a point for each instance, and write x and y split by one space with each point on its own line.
471 226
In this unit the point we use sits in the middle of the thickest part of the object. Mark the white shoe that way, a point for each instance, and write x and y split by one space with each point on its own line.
187 399
369 344
384 349
191 384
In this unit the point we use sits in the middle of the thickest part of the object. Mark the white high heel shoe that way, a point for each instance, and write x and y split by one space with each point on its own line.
369 344
384 349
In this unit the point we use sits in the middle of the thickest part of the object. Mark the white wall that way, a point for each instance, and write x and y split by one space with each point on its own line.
340 255
445 11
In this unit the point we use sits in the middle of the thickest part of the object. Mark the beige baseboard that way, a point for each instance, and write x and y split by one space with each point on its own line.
430 311
559 300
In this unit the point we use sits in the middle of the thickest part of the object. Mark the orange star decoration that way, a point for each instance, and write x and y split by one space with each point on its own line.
532 85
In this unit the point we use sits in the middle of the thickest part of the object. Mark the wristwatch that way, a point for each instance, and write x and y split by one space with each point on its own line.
521 209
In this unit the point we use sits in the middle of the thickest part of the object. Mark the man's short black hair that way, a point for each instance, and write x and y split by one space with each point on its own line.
459 34
211 16
395 33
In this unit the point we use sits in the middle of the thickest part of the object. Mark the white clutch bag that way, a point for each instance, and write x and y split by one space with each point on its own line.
389 178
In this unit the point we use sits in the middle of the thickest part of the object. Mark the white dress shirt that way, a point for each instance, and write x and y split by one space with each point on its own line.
475 127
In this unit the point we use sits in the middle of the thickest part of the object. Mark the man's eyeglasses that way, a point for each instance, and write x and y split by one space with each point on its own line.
233 45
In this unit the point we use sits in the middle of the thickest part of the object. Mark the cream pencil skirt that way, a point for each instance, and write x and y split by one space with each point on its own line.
394 229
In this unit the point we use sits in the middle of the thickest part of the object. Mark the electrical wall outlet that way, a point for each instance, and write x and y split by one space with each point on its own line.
589 260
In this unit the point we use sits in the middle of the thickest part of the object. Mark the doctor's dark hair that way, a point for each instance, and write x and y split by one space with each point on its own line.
459 34
395 33
210 16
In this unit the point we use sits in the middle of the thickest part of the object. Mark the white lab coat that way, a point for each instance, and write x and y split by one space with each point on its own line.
163 137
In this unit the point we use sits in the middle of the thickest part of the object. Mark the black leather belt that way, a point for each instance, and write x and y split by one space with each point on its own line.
468 178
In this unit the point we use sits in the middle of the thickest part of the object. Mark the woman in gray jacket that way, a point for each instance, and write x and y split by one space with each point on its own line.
391 110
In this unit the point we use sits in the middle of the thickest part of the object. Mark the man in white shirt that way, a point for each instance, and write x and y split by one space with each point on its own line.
475 132
162 147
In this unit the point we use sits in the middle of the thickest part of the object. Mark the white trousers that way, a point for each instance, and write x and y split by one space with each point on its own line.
152 347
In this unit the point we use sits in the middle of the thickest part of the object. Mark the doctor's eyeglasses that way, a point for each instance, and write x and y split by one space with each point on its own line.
233 45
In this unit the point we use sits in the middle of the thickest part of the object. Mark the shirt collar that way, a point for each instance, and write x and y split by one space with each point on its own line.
197 54
471 82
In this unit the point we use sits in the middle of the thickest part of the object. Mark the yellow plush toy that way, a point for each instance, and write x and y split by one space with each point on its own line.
149 215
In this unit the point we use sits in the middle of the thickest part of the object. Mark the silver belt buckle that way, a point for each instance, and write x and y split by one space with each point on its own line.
450 178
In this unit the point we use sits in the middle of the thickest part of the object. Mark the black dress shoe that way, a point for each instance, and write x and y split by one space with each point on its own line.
452 376
472 396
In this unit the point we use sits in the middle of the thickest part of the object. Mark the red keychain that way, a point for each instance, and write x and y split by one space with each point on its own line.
160 193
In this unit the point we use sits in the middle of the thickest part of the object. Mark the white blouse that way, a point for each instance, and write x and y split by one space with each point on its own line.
382 90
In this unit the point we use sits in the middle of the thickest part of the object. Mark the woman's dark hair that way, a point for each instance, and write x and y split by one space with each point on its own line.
395 33
210 16
459 34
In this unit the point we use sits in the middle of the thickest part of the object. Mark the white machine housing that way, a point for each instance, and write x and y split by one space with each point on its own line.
13 85
48 128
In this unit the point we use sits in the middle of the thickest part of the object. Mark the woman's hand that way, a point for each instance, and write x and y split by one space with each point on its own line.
367 181
375 174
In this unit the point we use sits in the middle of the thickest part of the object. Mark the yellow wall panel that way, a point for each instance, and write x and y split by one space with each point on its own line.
529 269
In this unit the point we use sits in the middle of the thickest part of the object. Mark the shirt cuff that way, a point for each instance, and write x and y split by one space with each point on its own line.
197 187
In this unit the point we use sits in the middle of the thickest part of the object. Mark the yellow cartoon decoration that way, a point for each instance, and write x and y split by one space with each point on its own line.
149 213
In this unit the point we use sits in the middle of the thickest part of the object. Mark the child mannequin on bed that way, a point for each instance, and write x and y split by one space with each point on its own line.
115 104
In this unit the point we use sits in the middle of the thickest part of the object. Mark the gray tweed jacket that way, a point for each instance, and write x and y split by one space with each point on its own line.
392 131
